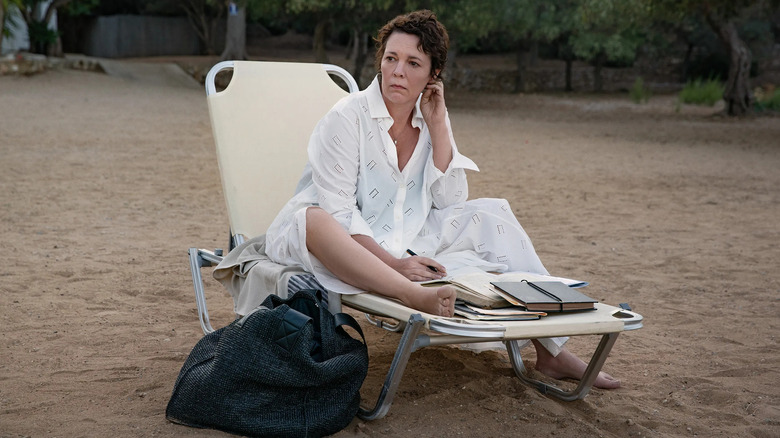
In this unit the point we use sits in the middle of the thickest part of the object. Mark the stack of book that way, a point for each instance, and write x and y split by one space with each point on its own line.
513 296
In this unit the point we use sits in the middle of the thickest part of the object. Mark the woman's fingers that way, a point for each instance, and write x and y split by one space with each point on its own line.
432 102
432 265
436 87
428 269
418 268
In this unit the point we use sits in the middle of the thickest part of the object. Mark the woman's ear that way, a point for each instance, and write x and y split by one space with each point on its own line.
436 73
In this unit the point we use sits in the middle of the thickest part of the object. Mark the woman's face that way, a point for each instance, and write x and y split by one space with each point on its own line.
405 68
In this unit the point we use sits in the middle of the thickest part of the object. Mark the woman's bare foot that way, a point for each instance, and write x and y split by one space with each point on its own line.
566 364
440 302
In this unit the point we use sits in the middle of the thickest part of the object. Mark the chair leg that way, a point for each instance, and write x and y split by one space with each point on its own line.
196 262
591 372
397 367
198 259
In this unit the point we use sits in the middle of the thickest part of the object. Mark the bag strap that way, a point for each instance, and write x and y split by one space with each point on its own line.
341 318
347 319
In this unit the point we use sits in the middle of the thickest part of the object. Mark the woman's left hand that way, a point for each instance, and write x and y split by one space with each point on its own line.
432 104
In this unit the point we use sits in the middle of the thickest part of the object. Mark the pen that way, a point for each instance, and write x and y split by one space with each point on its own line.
412 253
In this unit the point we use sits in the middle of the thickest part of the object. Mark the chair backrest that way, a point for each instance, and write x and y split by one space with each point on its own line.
262 123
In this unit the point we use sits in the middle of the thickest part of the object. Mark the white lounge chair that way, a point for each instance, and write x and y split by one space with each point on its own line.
261 124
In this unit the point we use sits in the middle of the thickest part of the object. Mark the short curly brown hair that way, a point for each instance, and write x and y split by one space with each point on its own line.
434 40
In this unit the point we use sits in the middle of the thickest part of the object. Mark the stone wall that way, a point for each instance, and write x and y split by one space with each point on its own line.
27 64
552 77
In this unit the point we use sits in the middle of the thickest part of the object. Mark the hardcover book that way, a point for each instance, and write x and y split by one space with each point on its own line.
543 296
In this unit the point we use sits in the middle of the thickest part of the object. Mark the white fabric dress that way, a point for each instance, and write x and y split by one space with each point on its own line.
353 175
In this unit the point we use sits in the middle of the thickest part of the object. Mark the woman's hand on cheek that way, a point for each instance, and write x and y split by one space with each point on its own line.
432 103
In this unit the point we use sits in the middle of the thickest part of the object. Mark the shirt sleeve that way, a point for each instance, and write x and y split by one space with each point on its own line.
334 154
450 187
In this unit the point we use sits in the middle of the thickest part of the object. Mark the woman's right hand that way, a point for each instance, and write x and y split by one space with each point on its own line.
417 268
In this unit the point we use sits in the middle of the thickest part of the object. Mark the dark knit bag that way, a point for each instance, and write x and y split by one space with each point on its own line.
287 369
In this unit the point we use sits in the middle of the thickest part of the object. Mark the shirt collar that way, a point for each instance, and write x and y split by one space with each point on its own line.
378 110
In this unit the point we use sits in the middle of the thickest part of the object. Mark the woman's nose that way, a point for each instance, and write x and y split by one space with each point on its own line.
399 70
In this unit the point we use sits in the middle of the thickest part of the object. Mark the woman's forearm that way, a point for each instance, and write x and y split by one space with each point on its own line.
442 146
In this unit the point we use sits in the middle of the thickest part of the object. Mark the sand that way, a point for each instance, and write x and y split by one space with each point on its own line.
105 181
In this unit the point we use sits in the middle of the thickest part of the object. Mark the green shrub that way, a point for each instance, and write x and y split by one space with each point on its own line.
639 93
702 92
768 101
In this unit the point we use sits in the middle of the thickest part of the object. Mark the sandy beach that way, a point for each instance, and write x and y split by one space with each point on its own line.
105 181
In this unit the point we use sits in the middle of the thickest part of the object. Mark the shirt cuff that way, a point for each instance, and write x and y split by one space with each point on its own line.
358 225
458 161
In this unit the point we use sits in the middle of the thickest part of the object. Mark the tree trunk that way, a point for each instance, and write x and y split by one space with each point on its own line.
452 55
565 52
39 20
686 65
320 34
55 50
235 37
361 53
52 8
351 49
522 58
208 37
598 80
533 54
737 93
2 21
202 23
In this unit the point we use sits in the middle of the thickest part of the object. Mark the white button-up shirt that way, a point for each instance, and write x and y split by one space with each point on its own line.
353 174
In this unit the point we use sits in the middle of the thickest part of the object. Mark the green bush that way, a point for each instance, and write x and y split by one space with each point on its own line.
639 93
702 92
768 101
41 37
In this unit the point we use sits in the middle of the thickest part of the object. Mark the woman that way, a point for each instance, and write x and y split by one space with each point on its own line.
385 176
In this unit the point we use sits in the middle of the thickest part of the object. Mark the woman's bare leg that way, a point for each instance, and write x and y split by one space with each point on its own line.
566 364
355 265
